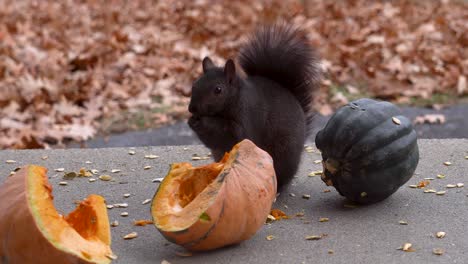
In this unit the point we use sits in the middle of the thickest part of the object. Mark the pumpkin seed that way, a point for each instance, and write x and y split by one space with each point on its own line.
105 177
315 173
413 186
85 173
313 237
44 157
109 206
317 161
88 162
185 148
270 237
10 161
407 247
151 156
270 219
121 205
94 171
309 149
402 222
132 235
115 170
114 223
430 191
440 176
146 201
111 256
60 169
126 195
131 152
147 167
396 120
440 193
447 163
323 219
196 158
70 175
158 180
63 183
440 234
306 196
459 185
326 191
438 251
92 180
292 195
124 214
428 179
466 157
451 186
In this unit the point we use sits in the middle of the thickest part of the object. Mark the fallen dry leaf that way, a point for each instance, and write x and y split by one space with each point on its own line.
72 68
278 214
423 184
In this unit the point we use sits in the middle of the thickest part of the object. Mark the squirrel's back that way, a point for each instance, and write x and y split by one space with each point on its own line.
282 53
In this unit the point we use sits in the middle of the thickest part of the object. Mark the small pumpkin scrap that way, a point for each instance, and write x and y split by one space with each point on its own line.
215 205
32 231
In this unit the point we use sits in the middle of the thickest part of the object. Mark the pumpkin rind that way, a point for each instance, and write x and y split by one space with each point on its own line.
229 210
368 150
30 233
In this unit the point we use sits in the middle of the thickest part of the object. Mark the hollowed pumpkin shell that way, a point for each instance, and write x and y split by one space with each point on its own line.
224 203
32 231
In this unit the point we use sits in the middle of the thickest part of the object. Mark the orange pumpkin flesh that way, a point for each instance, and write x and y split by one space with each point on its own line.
223 203
32 231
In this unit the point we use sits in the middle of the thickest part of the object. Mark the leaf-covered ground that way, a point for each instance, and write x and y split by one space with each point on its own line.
69 69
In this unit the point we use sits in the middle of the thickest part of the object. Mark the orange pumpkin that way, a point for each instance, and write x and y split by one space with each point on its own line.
32 231
224 203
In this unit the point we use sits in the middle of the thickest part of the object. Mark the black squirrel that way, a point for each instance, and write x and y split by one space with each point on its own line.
271 106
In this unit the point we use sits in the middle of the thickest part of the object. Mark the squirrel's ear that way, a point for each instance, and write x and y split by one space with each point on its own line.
230 70
207 64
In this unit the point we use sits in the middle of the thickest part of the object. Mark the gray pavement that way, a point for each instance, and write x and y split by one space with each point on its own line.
368 234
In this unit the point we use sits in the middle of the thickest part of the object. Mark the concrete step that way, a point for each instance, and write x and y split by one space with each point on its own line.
456 126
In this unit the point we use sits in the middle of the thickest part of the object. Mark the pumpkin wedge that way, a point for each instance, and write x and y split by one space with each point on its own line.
223 203
32 231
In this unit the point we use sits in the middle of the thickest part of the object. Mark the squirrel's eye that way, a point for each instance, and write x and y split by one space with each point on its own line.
217 90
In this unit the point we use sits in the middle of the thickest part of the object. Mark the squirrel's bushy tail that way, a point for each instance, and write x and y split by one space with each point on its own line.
282 53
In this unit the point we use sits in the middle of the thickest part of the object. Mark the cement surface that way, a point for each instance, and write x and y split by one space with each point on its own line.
366 234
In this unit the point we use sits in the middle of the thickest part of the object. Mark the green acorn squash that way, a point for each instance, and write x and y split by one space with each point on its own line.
368 150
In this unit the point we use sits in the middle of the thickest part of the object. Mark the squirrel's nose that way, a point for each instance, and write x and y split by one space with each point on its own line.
192 108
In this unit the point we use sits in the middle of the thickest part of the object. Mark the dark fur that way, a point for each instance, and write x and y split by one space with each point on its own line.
271 107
